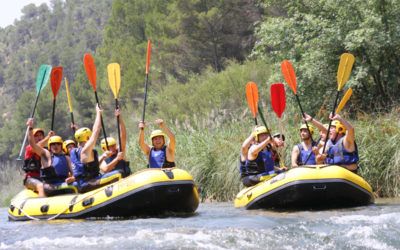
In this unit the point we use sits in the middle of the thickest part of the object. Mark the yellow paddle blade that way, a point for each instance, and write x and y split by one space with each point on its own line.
68 95
114 78
344 70
344 100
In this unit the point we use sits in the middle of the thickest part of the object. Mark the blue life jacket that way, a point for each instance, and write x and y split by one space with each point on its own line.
84 171
303 155
57 172
122 166
158 158
338 155
264 163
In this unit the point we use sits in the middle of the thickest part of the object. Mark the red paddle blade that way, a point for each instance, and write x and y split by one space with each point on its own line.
90 68
252 97
289 75
278 98
55 79
148 57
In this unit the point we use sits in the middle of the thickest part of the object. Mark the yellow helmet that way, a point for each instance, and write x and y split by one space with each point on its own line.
54 139
83 134
311 128
35 130
111 142
260 130
157 132
340 128
66 143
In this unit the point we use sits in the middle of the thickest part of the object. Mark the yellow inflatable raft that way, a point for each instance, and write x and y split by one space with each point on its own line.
315 187
147 192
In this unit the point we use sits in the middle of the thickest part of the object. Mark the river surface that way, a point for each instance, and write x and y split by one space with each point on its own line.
217 226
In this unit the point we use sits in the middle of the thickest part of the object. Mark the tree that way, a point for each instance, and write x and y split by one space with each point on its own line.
313 34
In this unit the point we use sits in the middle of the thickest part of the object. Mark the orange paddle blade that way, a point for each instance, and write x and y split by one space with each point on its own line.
148 56
90 68
55 79
278 98
252 97
289 75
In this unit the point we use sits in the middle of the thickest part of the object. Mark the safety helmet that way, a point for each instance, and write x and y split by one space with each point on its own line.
326 125
35 130
54 139
260 130
311 128
340 129
83 134
157 132
279 135
66 144
111 142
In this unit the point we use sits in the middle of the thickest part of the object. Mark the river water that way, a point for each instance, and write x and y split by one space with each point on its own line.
217 226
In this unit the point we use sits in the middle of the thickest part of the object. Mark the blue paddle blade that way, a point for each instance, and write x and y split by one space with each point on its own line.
42 77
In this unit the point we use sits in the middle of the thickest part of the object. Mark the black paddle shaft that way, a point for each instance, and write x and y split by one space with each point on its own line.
119 130
52 115
145 96
330 121
101 119
304 116
73 123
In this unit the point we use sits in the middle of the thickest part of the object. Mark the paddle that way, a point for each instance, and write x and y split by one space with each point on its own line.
278 101
343 75
42 78
90 69
147 77
114 80
344 100
55 81
290 77
70 104
252 99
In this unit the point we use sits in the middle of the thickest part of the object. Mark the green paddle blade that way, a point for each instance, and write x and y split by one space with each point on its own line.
114 78
344 70
42 77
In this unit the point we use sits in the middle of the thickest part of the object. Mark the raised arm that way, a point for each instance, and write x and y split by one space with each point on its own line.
122 129
316 123
145 148
87 151
171 136
255 149
349 137
44 154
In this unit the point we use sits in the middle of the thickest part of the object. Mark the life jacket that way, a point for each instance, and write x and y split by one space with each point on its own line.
57 172
32 162
264 163
242 168
158 158
84 170
337 154
304 154
122 166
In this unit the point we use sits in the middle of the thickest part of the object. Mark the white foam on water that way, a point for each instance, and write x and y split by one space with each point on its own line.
375 219
365 236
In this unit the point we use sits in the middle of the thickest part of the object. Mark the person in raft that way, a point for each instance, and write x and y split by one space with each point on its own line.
244 150
160 154
304 153
55 165
85 161
259 158
32 162
114 158
279 164
341 148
